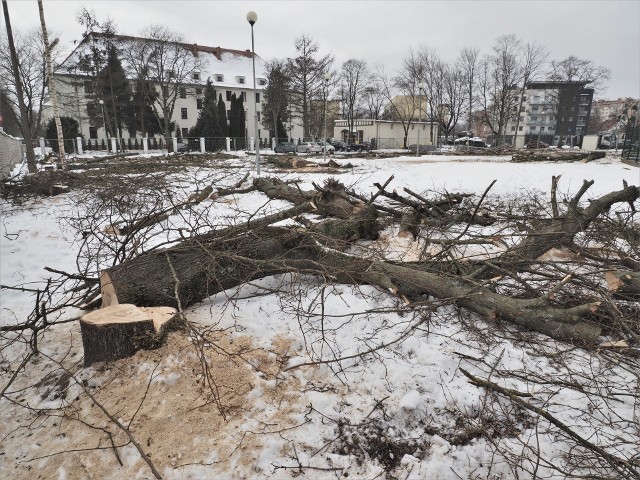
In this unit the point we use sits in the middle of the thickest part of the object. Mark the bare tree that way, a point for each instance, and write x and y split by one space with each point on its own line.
167 63
468 65
374 99
574 69
534 57
24 126
433 72
453 99
401 91
33 72
355 79
52 82
498 78
307 77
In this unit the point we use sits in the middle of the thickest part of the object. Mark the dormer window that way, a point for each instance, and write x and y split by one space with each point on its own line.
196 75
240 79
218 78
262 81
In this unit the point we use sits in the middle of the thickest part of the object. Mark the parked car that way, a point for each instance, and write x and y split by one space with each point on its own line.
359 147
306 147
338 145
182 147
536 144
330 148
285 147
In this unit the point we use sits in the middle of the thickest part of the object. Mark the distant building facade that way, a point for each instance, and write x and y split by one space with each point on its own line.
386 133
557 113
230 72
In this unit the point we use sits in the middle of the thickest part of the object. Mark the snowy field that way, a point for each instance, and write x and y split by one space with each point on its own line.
404 411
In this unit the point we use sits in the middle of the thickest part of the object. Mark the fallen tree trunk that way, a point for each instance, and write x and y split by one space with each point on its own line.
553 155
203 270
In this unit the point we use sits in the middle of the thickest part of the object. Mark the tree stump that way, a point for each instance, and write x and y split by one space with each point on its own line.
119 331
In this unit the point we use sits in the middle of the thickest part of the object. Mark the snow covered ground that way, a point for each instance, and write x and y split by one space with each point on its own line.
403 411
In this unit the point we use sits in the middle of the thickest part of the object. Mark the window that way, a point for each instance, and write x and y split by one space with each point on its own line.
571 119
185 132
199 103
198 91
183 113
165 91
262 81
228 114
244 96
534 108
93 132
521 118
183 92
240 79
258 114
219 78
533 129
196 75
513 129
228 95
257 97
534 118
520 128
88 87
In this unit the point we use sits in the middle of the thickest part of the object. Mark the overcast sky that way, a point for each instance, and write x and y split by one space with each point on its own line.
607 32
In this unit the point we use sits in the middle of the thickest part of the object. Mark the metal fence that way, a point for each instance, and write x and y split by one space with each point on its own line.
631 145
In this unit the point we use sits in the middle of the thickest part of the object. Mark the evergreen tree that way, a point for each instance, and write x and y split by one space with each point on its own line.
276 99
222 118
70 131
143 119
207 123
237 118
115 90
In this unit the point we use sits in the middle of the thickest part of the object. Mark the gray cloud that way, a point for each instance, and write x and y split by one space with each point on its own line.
607 32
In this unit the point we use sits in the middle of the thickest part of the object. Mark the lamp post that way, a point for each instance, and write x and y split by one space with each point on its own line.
327 77
252 18
104 121
421 87
540 128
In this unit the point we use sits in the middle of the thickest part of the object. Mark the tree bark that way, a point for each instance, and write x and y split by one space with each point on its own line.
24 123
52 87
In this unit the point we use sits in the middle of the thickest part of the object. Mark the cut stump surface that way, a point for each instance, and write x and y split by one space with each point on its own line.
118 331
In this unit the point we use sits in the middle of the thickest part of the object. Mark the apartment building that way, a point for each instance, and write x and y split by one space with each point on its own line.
556 113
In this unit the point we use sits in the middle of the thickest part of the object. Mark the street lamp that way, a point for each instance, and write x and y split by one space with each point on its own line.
540 129
421 87
252 18
104 122
327 77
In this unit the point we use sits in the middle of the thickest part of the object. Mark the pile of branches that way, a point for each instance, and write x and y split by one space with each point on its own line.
517 286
